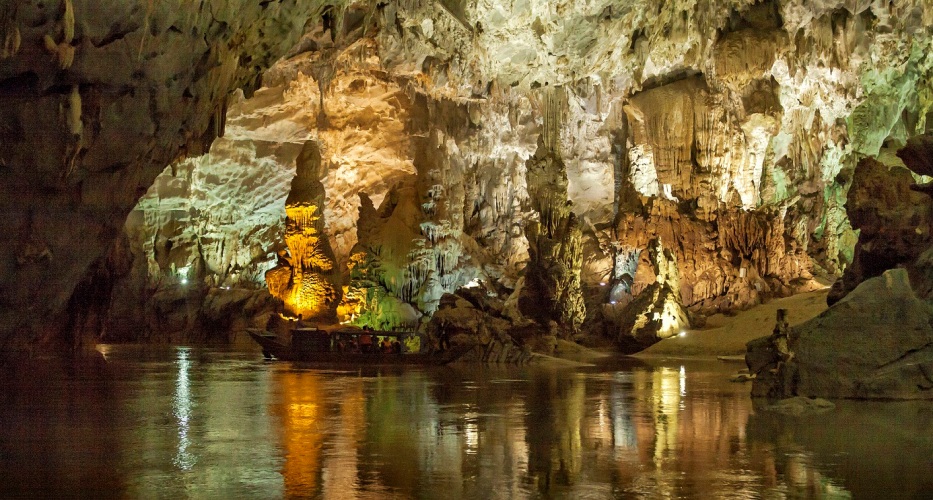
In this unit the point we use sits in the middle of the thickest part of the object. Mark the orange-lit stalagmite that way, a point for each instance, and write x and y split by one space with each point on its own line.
304 279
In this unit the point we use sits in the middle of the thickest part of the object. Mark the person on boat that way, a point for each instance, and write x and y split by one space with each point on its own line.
366 340
386 345
397 347
443 337
300 322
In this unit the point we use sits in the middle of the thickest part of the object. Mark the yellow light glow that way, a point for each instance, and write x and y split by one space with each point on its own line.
299 283
302 433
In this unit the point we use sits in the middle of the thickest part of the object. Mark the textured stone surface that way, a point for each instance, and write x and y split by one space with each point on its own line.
551 288
679 154
473 323
726 130
877 342
894 223
97 98
654 313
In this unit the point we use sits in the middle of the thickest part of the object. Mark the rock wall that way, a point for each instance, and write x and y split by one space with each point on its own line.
725 132
97 98
728 154
876 340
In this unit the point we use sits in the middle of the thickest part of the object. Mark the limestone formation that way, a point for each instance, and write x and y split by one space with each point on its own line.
551 290
654 313
728 132
894 221
132 85
715 162
876 343
305 281
471 322
381 279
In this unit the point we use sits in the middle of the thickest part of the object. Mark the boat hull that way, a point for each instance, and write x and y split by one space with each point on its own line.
272 348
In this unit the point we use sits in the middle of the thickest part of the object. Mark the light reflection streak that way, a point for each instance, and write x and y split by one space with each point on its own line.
181 408
471 434
346 437
667 387
302 431
340 467
683 381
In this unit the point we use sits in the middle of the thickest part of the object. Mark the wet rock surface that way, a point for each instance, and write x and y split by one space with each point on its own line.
798 406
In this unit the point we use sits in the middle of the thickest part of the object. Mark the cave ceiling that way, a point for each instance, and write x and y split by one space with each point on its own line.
721 130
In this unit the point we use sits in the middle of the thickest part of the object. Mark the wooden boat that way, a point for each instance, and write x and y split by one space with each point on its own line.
315 345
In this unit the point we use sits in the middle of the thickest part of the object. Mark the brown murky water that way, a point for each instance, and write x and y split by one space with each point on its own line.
161 422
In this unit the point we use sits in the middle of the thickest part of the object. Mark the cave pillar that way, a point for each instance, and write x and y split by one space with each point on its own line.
305 279
552 290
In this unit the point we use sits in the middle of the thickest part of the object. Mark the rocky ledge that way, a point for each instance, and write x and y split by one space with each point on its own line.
876 342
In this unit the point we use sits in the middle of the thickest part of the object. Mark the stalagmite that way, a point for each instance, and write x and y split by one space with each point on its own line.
305 283
541 148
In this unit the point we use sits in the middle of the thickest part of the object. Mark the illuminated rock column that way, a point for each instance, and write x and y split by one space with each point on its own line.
656 312
555 241
304 280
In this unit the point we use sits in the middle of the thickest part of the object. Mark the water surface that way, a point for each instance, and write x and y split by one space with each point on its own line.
164 422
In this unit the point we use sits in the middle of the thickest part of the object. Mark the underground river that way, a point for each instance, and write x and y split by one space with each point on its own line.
172 422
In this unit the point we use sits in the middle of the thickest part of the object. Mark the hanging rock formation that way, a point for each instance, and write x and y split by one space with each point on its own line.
380 285
727 131
709 152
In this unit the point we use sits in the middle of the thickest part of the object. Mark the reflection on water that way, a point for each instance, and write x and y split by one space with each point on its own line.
179 422
181 405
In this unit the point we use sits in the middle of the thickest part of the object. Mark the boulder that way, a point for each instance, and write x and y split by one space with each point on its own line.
876 343
894 220
481 334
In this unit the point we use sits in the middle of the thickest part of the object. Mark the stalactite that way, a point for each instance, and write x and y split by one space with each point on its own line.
10 37
553 117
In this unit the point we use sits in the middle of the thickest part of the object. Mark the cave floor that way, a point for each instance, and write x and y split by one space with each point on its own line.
727 335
